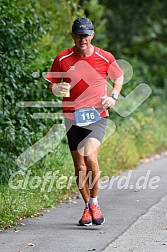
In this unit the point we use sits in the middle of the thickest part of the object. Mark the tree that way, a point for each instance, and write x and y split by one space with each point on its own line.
136 31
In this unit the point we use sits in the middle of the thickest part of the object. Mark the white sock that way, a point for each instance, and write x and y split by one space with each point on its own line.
93 200
86 205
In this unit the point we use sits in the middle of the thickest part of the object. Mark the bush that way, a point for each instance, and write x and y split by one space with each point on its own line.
20 29
137 136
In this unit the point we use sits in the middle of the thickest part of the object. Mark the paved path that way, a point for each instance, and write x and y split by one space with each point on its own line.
136 218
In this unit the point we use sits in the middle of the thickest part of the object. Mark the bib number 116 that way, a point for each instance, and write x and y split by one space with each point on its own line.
88 116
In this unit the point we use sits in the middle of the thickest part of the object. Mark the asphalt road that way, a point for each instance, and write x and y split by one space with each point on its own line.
133 203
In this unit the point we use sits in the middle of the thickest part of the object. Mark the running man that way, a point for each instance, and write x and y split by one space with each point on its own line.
82 71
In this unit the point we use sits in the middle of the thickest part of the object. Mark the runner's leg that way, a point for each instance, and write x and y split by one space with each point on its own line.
80 173
85 160
92 147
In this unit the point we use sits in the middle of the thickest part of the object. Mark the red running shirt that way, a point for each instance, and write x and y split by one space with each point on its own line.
87 77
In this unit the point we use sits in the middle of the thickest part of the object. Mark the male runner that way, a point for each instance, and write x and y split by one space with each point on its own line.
84 69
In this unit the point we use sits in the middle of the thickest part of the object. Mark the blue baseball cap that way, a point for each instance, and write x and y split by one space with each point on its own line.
82 26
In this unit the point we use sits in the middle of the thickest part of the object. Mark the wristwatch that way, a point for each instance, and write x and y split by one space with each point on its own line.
114 96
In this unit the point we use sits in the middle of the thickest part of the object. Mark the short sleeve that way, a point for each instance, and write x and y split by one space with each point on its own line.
114 70
54 75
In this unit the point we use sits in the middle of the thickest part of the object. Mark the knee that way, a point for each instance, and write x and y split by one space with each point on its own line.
80 167
91 161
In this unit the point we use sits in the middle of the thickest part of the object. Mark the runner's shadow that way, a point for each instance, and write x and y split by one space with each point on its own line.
75 226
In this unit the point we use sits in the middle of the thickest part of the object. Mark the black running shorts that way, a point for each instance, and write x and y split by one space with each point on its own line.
76 134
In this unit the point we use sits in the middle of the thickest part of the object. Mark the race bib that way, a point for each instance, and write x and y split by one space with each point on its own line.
86 116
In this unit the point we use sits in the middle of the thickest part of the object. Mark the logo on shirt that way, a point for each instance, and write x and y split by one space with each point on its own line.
72 68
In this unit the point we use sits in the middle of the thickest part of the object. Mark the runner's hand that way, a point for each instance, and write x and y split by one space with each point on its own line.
60 89
108 102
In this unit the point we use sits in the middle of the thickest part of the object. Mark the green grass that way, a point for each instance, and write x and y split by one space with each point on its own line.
140 135
33 191
137 136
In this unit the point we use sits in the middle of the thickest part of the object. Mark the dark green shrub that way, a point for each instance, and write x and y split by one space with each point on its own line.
20 29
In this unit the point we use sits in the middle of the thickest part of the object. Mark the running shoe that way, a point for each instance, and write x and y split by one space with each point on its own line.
97 217
86 219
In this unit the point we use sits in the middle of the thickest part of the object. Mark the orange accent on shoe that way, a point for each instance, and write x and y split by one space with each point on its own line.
86 215
86 219
97 217
95 210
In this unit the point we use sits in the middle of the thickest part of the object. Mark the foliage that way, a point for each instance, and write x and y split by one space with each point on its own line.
138 136
28 191
20 29
137 33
